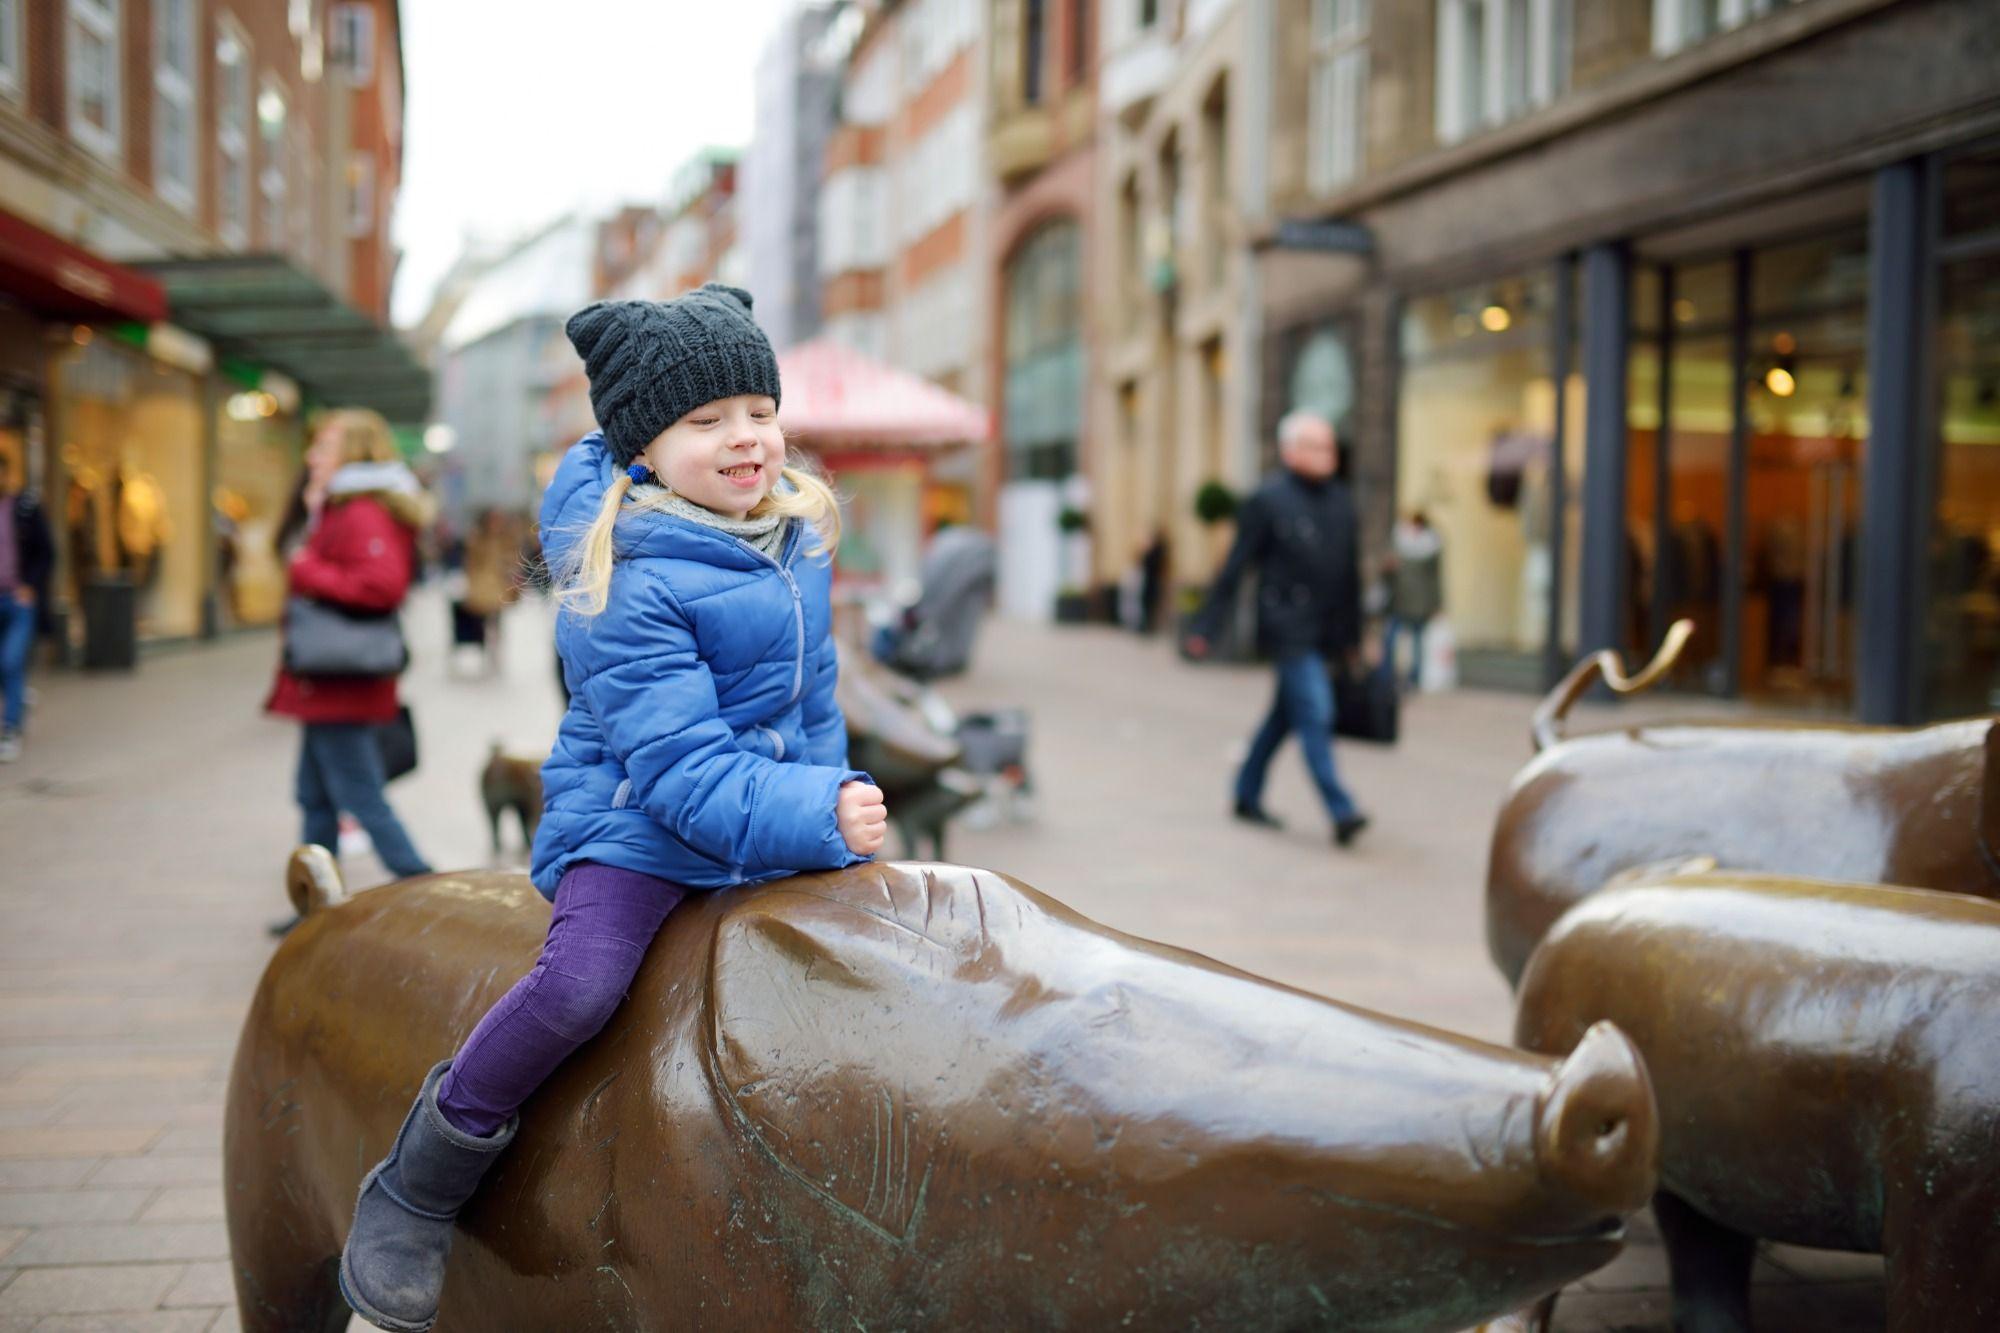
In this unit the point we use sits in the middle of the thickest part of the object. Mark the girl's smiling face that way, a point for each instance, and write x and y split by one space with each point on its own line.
724 456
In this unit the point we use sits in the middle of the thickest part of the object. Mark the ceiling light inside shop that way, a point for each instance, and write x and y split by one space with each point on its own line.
242 407
439 438
1684 311
1495 319
81 335
1780 382
1784 344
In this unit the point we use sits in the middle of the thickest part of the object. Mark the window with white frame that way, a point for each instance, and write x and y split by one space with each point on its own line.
299 154
271 113
354 42
1498 60
175 33
852 234
1682 23
13 63
232 134
94 102
1339 84
360 194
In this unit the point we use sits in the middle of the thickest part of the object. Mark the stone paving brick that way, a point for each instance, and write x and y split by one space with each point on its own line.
10 1237
1825 1265
186 1203
120 1172
74 1141
207 1284
226 1321
33 1092
96 1289
187 1140
49 1173
159 1321
42 1207
115 1242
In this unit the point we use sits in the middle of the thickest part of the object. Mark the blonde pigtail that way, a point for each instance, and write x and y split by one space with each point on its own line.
586 578
810 499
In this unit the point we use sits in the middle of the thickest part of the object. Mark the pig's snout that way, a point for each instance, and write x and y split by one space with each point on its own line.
1597 1132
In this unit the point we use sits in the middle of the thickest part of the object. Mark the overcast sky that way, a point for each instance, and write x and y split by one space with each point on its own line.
522 110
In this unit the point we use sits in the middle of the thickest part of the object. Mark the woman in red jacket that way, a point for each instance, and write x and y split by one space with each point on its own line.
364 509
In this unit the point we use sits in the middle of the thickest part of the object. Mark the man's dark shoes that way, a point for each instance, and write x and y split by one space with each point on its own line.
1255 814
1345 831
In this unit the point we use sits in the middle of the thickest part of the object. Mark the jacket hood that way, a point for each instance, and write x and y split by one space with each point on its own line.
586 472
393 484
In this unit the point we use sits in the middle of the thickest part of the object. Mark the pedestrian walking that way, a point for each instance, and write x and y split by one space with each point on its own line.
702 747
1299 533
363 508
492 580
1416 589
27 555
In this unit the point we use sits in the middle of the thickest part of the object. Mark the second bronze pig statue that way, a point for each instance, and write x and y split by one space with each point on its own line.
919 1096
1917 806
1827 1061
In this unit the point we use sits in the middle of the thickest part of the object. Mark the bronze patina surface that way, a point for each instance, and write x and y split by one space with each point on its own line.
1881 805
1827 1062
920 1096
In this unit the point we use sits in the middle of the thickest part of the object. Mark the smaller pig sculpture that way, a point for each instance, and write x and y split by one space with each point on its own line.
917 1097
1827 1062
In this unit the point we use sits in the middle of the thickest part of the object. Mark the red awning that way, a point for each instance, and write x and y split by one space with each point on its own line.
833 395
47 273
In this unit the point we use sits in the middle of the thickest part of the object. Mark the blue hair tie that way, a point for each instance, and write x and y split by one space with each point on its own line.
638 472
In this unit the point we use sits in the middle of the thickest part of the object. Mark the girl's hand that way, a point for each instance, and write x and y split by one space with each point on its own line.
862 816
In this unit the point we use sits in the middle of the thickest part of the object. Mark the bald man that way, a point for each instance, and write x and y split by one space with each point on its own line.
1300 532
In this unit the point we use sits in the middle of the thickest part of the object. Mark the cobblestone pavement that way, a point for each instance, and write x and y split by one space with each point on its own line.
143 836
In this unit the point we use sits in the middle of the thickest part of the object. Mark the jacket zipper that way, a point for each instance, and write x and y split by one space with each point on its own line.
798 611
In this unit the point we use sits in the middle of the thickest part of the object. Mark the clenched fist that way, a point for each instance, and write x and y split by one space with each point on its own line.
862 816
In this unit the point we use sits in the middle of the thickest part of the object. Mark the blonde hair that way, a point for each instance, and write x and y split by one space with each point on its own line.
586 575
364 436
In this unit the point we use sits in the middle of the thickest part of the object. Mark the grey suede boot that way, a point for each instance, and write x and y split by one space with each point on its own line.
392 1271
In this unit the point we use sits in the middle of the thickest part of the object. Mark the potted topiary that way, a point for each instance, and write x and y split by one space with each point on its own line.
1073 601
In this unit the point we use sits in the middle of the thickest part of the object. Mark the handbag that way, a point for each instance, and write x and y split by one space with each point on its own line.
398 743
322 639
1365 704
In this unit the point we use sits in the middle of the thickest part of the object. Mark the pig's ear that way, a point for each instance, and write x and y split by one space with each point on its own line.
827 1013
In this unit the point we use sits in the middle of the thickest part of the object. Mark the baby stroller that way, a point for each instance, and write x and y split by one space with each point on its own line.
932 637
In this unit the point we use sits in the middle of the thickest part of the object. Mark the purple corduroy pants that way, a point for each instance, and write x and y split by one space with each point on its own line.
604 920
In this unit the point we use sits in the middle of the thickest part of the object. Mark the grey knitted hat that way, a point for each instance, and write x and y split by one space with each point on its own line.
650 363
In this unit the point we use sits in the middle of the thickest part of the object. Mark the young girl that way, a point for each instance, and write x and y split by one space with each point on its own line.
702 747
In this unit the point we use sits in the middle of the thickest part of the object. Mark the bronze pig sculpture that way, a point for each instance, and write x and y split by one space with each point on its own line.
1827 1061
919 1096
1882 805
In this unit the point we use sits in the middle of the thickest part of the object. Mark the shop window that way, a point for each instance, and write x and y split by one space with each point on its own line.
1498 60
13 66
175 25
271 113
95 106
354 42
360 194
1044 353
232 133
1682 23
1339 83
1149 14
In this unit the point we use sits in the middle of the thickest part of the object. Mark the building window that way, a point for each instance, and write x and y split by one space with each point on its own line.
1044 353
1215 180
1339 78
1079 42
354 42
13 67
174 29
271 167
232 134
360 194
1497 60
1149 13
304 189
1682 23
1032 34
93 75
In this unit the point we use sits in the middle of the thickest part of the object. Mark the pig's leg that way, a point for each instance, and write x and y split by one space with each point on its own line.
1711 1269
1943 1259
300 1299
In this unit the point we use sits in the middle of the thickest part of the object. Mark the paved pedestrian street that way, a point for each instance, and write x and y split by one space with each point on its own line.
144 835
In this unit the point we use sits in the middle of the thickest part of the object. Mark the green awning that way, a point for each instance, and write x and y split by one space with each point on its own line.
263 308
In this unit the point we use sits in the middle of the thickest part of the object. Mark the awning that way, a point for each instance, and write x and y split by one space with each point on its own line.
262 308
833 395
57 278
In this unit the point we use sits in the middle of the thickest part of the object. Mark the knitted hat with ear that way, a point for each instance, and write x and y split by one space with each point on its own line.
650 363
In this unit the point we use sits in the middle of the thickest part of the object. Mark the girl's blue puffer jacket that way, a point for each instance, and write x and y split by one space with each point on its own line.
702 742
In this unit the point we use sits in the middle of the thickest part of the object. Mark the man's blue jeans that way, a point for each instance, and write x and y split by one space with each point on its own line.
17 640
1398 626
1303 705
340 768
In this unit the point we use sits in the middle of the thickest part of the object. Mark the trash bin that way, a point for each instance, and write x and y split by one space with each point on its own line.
110 624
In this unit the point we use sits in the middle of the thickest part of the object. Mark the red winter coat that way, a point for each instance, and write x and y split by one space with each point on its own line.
361 555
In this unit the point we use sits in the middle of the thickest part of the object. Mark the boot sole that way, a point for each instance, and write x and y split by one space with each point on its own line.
371 1314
